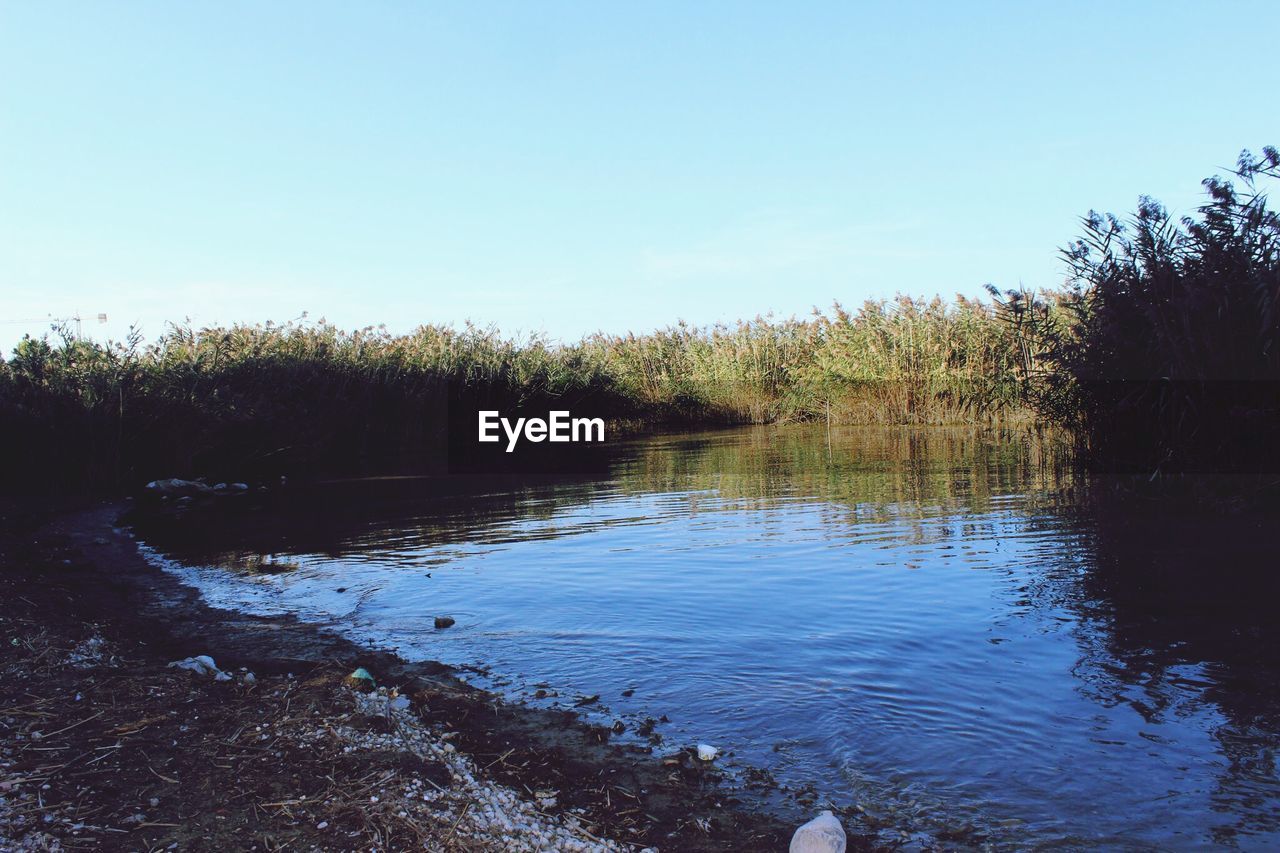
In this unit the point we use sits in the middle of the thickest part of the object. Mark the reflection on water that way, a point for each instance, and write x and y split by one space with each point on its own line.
931 627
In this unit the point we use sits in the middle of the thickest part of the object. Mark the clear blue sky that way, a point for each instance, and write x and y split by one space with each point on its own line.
581 166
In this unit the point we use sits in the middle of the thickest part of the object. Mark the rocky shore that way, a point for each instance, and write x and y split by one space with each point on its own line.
108 747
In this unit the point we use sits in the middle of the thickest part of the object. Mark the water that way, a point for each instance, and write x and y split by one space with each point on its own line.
930 625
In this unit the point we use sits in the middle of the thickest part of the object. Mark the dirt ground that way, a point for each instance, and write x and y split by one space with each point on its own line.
104 745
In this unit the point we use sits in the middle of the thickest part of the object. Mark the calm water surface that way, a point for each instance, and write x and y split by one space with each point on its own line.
930 625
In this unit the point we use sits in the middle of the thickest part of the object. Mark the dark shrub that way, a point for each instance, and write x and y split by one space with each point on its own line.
1163 353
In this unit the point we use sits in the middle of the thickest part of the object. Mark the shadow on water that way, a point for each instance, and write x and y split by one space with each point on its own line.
1177 611
343 518
942 632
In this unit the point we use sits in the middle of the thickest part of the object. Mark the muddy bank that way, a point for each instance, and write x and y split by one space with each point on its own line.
72 576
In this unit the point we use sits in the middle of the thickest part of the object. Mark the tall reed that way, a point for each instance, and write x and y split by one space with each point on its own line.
258 400
900 361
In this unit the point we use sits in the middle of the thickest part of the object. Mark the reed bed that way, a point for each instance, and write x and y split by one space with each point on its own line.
898 361
254 401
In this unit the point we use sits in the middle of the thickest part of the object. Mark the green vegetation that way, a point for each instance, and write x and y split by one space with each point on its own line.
253 401
1163 355
899 362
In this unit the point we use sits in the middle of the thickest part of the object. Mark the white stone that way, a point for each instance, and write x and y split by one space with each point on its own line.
823 834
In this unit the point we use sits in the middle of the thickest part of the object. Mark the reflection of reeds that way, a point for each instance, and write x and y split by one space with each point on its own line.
254 400
868 467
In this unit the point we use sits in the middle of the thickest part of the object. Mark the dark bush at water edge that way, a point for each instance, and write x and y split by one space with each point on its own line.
1163 355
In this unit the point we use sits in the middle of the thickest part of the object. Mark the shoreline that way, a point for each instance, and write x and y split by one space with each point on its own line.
79 561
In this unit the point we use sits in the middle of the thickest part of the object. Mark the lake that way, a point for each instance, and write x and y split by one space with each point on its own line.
944 629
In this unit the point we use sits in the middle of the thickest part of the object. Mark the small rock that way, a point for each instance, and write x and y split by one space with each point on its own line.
443 622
